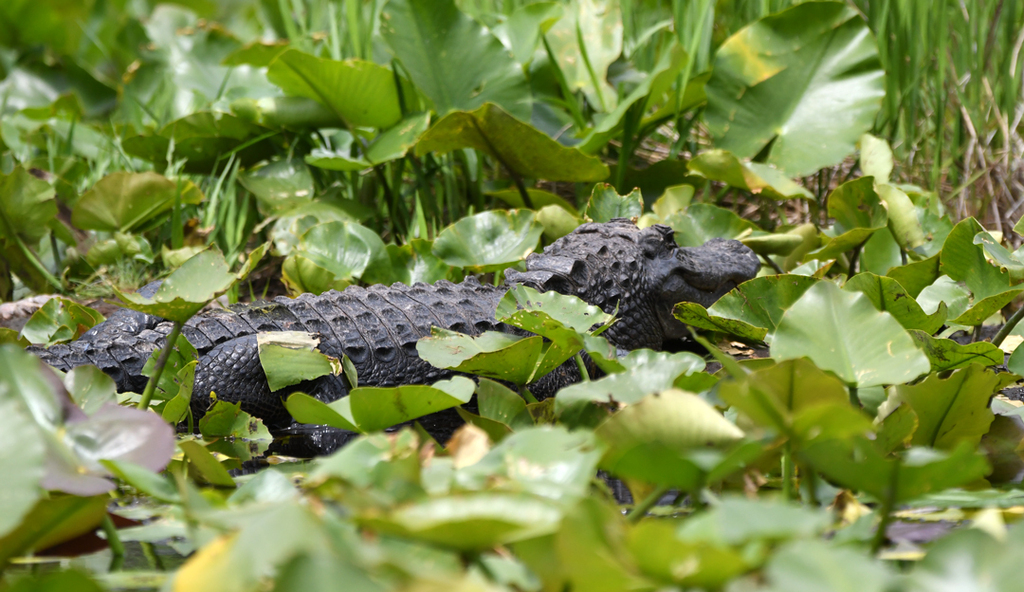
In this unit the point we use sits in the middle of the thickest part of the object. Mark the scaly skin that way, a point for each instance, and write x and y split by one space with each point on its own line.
616 266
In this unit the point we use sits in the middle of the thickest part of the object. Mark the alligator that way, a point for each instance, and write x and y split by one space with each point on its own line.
638 274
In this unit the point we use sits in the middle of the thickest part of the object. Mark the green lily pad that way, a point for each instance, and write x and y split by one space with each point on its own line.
858 212
951 410
333 255
58 321
376 408
1009 262
492 354
859 465
279 186
584 43
521 148
205 140
946 354
845 334
772 397
649 439
198 281
781 244
23 470
702 222
605 203
545 313
889 296
539 198
755 177
290 357
470 522
917 275
488 241
52 521
125 201
453 60
903 222
205 466
964 261
875 158
523 28
90 388
361 93
415 262
751 310
770 80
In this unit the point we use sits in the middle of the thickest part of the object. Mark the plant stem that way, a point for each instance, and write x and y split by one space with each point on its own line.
771 263
1008 326
113 540
887 506
527 202
584 375
165 353
787 471
640 510
854 397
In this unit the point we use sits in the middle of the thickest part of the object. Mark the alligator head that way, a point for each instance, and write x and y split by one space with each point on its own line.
640 272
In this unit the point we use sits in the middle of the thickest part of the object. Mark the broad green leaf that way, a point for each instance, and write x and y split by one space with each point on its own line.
415 262
845 334
538 197
980 311
946 354
654 86
781 244
361 93
546 461
646 373
755 177
557 222
228 420
492 354
771 80
773 396
944 291
58 321
206 466
964 261
889 296
23 470
702 222
816 565
736 521
859 465
26 207
903 222
90 388
279 186
148 482
751 310
321 571
521 31
286 112
377 408
858 212
488 241
290 357
658 552
585 41
1007 261
204 140
125 201
306 409
950 410
675 199
470 522
501 404
875 158
519 147
333 255
397 141
456 62
605 203
52 521
259 53
917 275
526 308
649 440
187 290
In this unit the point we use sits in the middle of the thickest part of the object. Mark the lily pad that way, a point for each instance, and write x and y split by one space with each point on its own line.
889 296
279 186
751 310
702 222
606 203
58 321
585 42
361 93
333 255
755 177
492 354
770 80
946 354
649 439
187 290
290 357
845 334
376 408
521 148
858 212
125 201
488 241
953 409
454 60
